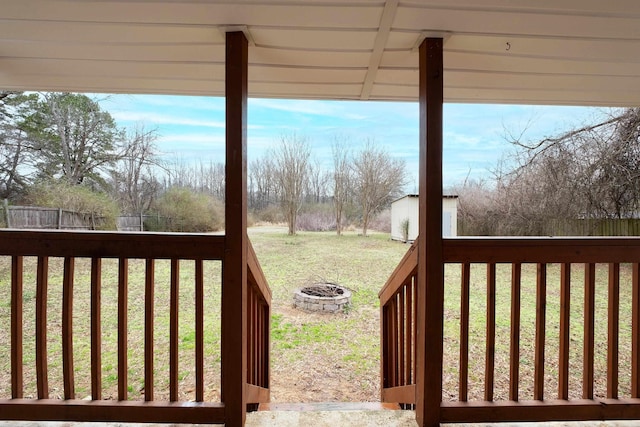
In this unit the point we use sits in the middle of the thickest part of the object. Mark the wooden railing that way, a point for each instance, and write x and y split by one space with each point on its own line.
543 274
184 406
258 324
398 300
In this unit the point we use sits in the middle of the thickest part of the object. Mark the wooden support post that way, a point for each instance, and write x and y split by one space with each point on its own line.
234 268
430 285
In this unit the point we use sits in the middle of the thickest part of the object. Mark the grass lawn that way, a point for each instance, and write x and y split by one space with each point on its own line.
314 357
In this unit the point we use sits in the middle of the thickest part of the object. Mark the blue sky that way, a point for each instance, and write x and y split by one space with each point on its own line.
192 128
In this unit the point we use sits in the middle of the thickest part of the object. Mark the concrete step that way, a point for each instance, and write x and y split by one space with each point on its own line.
331 414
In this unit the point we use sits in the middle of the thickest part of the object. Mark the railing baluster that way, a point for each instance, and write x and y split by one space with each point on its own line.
414 353
589 338
401 336
258 341
613 330
149 295
96 332
199 318
256 338
266 316
67 328
464 334
123 295
409 334
41 328
393 360
173 330
384 346
541 315
250 336
514 359
490 351
17 388
565 308
635 331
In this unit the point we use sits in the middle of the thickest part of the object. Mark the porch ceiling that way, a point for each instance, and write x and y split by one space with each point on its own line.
578 52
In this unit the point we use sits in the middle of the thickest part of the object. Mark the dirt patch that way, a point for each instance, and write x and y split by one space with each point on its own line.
325 371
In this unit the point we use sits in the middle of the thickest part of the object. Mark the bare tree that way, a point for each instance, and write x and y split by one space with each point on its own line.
134 180
341 181
291 159
592 171
317 182
262 186
378 178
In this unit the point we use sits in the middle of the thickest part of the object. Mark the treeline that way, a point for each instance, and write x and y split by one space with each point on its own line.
62 150
587 173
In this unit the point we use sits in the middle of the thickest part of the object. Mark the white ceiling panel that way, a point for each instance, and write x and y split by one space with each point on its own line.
328 40
578 52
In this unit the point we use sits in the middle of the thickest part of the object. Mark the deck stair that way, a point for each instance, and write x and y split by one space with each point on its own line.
331 414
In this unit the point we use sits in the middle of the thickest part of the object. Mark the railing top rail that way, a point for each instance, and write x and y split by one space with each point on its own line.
405 268
103 244
542 249
255 271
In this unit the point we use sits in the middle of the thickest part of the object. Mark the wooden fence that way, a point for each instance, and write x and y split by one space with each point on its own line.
33 217
142 222
592 227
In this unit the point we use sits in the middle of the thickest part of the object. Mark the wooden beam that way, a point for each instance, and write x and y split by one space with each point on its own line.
541 316
384 29
17 331
565 311
400 394
42 281
90 244
67 328
541 250
535 411
430 288
112 410
234 271
96 329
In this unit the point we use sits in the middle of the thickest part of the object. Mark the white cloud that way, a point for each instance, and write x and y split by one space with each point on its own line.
164 119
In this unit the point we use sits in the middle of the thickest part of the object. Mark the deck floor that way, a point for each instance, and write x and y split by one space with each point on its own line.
352 418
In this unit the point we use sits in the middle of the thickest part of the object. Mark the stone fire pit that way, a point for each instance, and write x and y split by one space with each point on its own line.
322 297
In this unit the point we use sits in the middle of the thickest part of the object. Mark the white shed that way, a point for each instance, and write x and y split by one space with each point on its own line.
404 217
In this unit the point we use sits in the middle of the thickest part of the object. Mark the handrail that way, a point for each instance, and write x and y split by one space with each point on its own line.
541 249
595 255
255 273
258 330
398 299
122 247
103 244
406 267
398 296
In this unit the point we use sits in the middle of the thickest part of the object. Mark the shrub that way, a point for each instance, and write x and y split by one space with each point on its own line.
316 221
381 222
404 227
77 198
271 214
187 211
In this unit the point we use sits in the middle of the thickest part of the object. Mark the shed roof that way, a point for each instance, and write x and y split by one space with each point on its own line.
578 52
